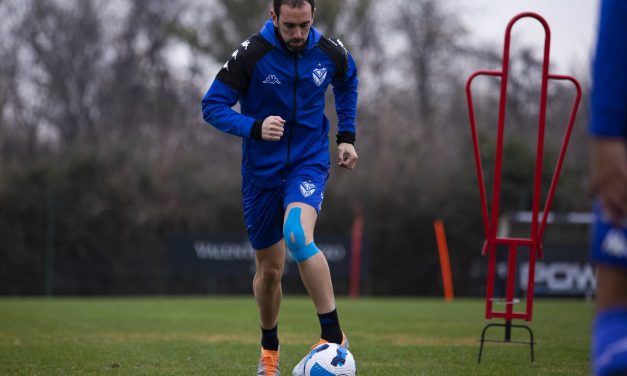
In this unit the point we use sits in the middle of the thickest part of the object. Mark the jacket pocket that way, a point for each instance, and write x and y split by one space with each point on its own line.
264 155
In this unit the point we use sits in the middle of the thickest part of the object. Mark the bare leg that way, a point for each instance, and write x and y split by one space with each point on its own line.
315 272
269 263
317 280
611 287
316 277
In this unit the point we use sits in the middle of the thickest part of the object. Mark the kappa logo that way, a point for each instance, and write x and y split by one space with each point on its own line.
234 56
338 42
307 188
342 45
272 80
319 75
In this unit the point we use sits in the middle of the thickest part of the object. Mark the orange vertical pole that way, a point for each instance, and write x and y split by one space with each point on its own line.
445 265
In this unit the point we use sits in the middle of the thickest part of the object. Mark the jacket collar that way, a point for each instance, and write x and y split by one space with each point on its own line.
269 33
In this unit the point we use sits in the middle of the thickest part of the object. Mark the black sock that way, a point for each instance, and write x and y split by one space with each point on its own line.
270 338
330 327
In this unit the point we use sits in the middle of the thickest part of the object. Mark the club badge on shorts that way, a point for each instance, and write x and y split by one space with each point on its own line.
307 188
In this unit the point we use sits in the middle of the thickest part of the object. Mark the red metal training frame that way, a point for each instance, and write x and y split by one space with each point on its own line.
490 220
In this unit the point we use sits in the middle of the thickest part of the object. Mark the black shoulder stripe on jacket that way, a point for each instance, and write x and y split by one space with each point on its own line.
238 71
337 52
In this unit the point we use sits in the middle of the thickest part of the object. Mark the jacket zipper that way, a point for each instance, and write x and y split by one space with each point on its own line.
293 122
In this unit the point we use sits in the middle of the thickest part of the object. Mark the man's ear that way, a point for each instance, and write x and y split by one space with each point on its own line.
275 18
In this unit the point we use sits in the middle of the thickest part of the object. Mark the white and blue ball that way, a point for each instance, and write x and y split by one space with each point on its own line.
330 359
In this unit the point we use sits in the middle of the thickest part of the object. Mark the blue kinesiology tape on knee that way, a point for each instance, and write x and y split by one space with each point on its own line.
294 229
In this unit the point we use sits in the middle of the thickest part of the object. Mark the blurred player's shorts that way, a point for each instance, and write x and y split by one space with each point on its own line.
609 241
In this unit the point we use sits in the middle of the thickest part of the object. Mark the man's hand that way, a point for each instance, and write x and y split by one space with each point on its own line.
346 156
272 128
609 176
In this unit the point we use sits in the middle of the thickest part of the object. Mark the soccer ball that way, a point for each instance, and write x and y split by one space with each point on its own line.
330 359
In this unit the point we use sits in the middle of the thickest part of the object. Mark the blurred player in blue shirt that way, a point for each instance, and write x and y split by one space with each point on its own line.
608 130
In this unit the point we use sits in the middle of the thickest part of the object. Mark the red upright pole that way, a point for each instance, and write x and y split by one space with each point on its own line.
356 244
490 218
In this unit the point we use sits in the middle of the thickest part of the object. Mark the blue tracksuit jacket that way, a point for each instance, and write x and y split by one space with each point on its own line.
267 79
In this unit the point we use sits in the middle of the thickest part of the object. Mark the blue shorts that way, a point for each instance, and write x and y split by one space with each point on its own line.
264 208
609 242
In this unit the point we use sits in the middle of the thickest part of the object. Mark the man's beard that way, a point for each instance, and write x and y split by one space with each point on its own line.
287 45
296 48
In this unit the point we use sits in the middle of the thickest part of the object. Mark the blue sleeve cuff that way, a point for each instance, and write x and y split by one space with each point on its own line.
607 121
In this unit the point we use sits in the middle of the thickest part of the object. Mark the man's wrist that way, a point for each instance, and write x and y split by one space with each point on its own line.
255 130
345 138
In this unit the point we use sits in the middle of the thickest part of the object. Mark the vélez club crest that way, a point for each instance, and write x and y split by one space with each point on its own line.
307 189
319 75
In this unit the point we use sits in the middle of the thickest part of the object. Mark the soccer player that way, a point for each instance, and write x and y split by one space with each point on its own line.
280 76
608 129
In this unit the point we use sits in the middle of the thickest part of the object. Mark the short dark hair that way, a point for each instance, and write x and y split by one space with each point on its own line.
292 4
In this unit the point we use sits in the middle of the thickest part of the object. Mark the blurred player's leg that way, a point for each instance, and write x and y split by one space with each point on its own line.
609 336
613 287
610 327
608 157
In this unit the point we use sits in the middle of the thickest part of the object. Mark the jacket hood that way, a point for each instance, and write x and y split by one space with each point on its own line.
268 33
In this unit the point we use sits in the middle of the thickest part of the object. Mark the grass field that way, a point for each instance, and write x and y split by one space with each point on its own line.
220 336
